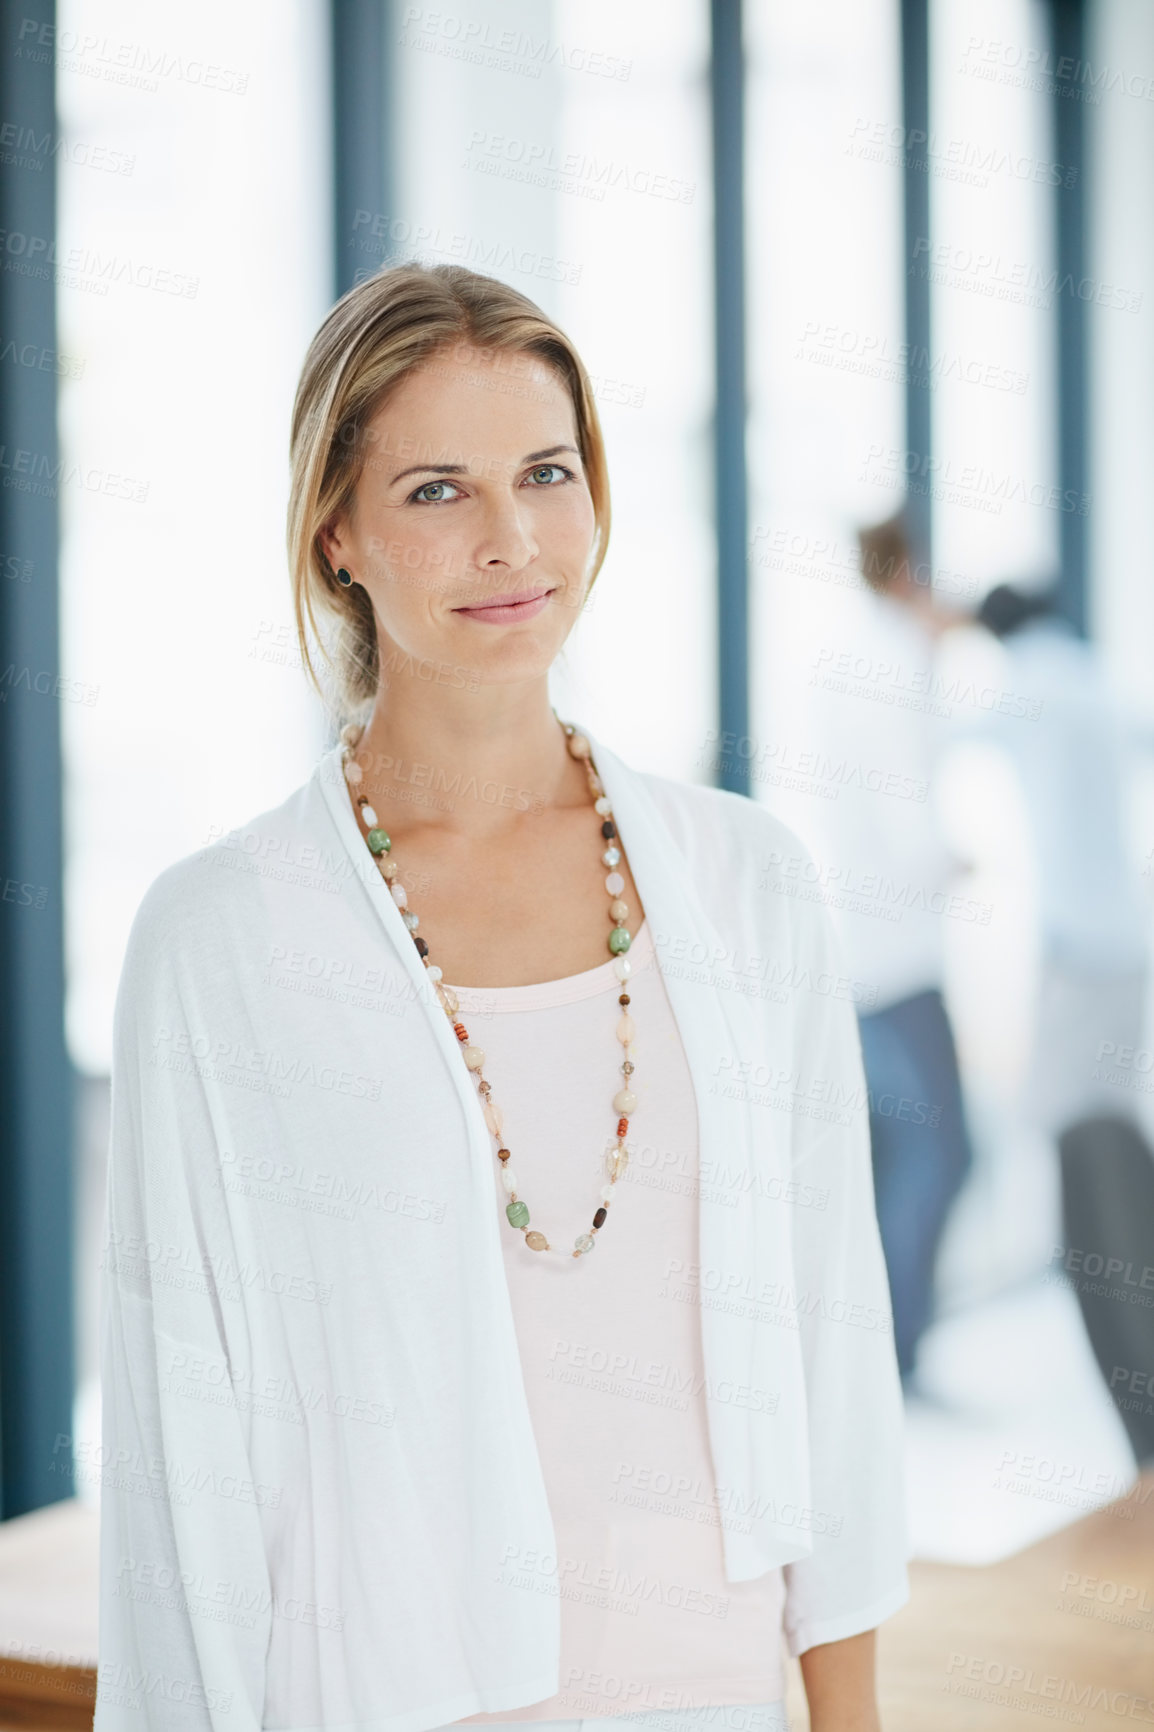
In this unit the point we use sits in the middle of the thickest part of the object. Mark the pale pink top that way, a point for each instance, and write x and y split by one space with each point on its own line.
611 1354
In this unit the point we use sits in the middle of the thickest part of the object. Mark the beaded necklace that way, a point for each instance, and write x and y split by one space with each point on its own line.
624 1101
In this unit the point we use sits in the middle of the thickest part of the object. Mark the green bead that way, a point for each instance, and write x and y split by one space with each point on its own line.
518 1213
619 940
378 841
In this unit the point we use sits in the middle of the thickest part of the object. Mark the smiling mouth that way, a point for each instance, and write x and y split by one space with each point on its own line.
500 601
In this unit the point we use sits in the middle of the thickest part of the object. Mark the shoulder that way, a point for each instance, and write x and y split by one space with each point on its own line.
732 828
220 896
757 875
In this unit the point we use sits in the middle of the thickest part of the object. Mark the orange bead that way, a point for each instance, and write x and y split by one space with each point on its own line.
622 1127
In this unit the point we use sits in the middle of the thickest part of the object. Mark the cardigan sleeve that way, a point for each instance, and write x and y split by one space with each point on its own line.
185 1607
856 1575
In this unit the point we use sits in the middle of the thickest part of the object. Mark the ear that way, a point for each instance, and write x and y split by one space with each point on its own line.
332 542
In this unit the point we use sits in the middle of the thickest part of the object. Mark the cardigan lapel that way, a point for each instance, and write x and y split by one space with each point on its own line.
716 1022
332 779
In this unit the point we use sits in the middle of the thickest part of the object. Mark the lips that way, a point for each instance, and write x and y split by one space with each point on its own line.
507 609
503 601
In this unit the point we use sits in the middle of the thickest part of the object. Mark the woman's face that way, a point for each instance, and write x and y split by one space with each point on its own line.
472 523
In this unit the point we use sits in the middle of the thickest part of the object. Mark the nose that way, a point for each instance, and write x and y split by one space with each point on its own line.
505 543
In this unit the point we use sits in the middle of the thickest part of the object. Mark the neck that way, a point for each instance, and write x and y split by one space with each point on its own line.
483 759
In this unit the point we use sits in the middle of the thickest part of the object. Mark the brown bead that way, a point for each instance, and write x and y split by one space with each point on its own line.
421 944
503 1154
599 1217
624 998
536 1241
608 829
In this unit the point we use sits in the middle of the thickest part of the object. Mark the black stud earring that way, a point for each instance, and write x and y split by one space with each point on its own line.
345 577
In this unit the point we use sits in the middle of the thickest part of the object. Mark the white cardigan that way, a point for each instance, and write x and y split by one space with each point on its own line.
322 1502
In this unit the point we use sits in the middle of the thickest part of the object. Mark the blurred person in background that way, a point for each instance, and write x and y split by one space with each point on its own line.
886 873
919 1139
1088 1066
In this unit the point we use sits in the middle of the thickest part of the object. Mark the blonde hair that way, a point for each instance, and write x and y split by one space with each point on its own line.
375 335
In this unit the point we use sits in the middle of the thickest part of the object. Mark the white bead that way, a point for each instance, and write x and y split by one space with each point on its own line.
449 999
607 1191
400 895
353 772
474 1057
494 1117
508 1176
603 807
433 972
615 884
622 967
411 920
624 1101
625 1029
370 817
611 856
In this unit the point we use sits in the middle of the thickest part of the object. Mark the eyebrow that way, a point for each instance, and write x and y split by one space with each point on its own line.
461 469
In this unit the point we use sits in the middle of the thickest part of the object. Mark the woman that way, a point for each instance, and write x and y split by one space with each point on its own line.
496 1324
